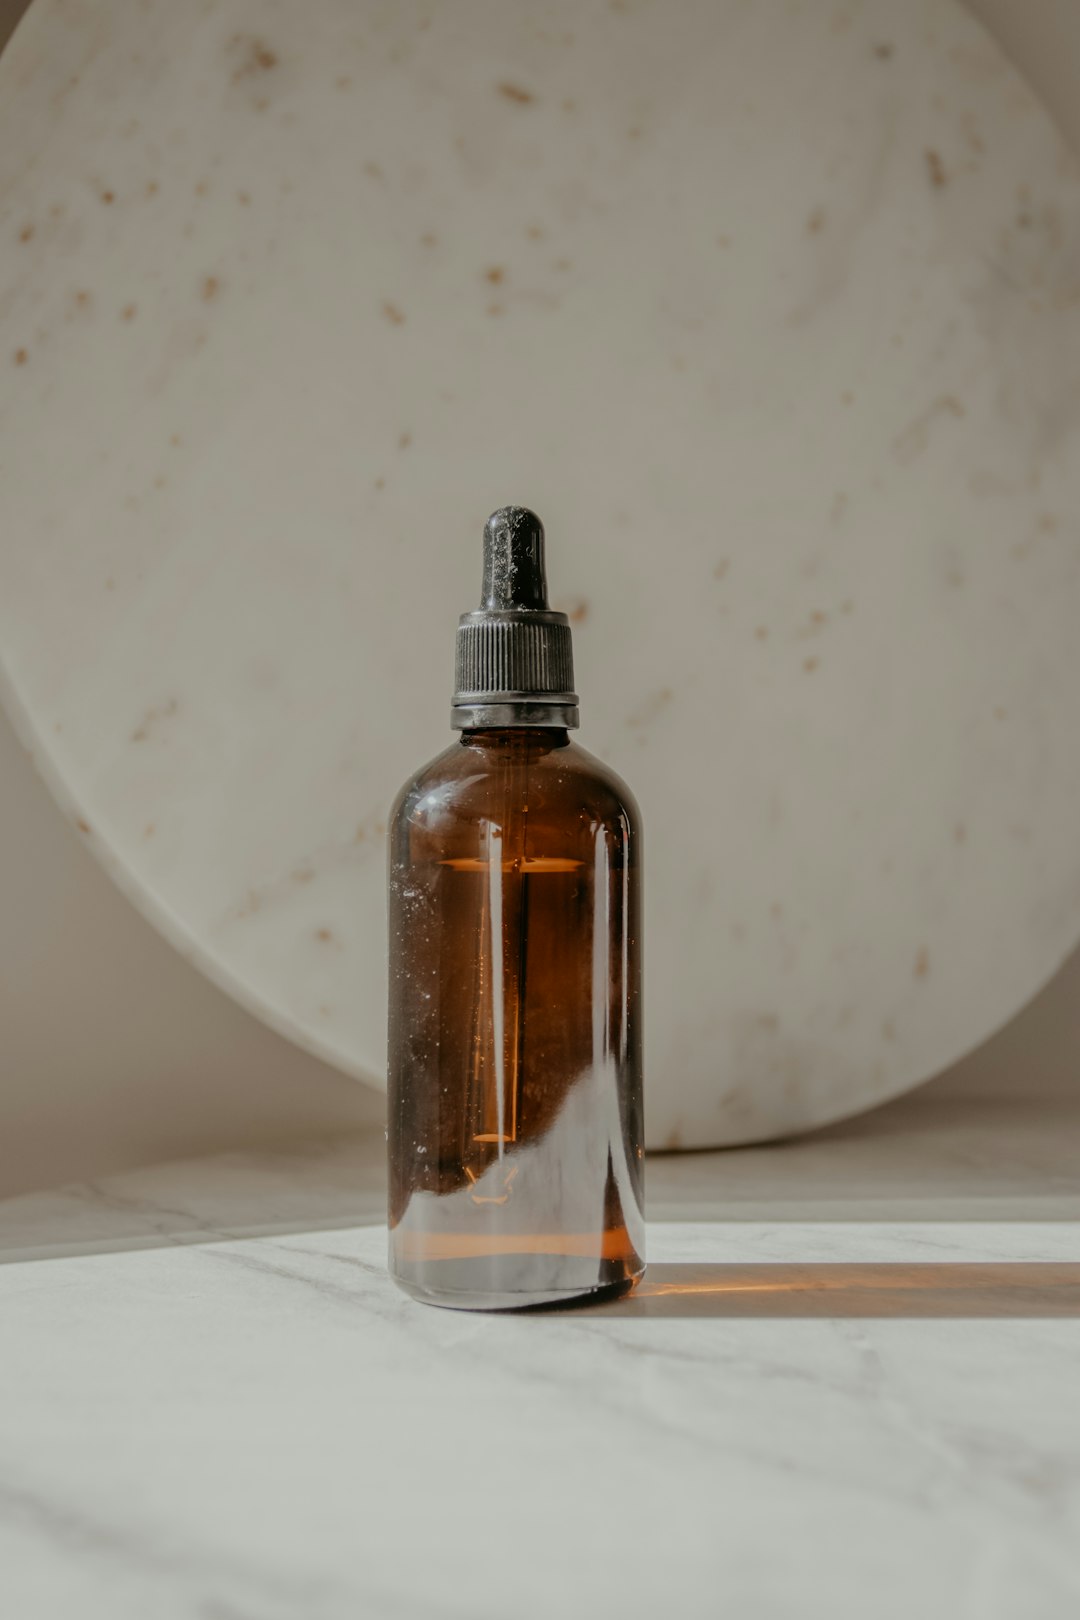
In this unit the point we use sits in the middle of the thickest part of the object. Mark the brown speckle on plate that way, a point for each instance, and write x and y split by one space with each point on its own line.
255 57
393 314
651 708
151 718
514 92
935 168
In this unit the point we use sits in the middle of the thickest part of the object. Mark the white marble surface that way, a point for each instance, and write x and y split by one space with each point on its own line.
214 1404
794 290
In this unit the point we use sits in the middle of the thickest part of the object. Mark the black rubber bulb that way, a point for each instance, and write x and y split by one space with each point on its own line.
514 575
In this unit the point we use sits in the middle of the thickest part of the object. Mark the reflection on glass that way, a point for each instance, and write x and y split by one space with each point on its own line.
515 1060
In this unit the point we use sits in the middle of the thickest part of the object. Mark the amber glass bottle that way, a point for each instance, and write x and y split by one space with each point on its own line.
515 1101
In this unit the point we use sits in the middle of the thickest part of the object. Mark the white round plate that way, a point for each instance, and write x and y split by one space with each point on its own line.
771 310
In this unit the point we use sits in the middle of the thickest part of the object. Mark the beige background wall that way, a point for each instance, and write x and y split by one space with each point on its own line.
114 1051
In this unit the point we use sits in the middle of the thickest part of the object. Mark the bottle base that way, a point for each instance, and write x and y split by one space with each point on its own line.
499 1270
460 1299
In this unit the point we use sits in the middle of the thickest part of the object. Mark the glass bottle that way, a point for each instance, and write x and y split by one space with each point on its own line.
515 1095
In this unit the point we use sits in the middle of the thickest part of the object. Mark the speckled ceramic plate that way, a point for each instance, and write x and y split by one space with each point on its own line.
771 310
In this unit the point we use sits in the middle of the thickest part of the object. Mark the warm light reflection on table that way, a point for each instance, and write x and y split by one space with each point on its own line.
978 1289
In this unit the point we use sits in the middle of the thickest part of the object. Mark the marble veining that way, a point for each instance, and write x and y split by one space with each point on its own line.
824 1416
771 310
847 1384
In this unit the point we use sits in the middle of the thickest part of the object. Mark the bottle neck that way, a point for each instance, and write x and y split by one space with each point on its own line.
498 738
537 712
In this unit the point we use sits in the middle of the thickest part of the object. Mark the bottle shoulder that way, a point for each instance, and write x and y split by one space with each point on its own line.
471 780
590 768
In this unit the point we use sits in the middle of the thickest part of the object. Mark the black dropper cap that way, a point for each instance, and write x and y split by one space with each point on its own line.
515 662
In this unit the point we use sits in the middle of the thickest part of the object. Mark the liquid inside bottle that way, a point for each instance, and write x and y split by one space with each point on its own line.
515 1097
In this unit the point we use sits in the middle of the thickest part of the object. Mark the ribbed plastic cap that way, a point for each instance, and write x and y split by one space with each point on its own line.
515 661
